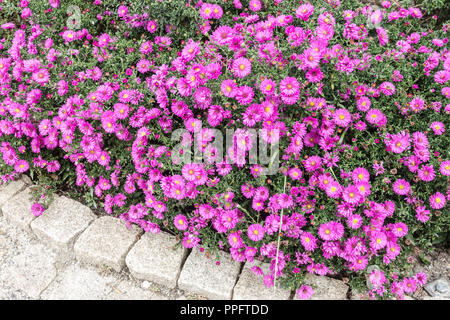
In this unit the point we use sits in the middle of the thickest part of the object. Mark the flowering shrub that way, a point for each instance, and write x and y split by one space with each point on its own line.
123 105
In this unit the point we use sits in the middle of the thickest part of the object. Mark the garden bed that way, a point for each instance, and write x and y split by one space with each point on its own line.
311 136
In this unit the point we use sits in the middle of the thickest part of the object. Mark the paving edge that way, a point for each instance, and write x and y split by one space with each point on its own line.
126 269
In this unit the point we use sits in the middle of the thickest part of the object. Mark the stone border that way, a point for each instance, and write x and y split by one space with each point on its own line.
72 230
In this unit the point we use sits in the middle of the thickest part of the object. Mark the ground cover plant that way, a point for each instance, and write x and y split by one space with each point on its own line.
152 111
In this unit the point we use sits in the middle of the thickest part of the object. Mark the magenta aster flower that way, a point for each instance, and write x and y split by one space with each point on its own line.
268 86
398 142
244 95
378 240
180 222
255 232
437 200
445 168
401 187
41 76
305 292
228 88
354 221
331 231
426 173
333 189
37 209
235 241
342 117
308 241
351 194
143 66
387 88
289 86
241 67
438 128
255 5
21 166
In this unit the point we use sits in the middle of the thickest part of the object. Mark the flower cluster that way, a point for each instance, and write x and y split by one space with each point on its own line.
354 100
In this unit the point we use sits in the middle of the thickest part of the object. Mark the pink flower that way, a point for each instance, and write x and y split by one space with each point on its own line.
143 66
267 86
360 175
69 35
180 222
289 86
304 11
37 209
235 241
21 166
308 241
305 292
445 168
54 3
438 128
378 240
241 67
426 173
351 194
122 11
255 232
228 88
401 187
331 231
398 142
41 76
377 278
354 221
437 200
255 5
387 88
342 117
206 11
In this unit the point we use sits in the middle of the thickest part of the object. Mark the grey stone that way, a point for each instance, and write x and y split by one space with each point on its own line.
31 271
202 276
62 223
326 288
77 283
252 287
106 242
26 180
153 258
438 288
17 210
127 290
441 287
9 189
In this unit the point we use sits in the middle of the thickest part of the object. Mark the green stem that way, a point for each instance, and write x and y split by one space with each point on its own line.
245 211
342 136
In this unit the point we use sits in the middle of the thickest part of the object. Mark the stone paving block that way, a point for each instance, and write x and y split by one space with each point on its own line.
77 283
30 271
152 258
252 287
8 190
201 275
438 288
326 288
17 210
62 223
106 242
128 290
